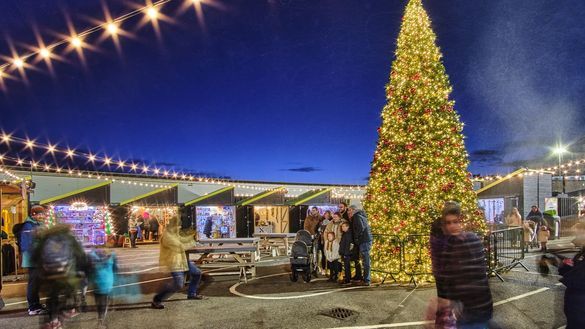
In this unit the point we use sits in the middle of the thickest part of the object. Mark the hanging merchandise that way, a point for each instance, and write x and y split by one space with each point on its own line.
89 224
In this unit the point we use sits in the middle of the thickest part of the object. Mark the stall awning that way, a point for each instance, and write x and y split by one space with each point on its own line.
318 196
91 194
165 195
499 181
261 197
224 196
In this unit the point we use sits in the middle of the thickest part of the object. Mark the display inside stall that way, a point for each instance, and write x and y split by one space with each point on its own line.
493 210
89 224
271 219
161 214
216 222
323 209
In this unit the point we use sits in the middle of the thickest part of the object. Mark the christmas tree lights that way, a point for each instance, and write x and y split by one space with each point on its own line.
420 159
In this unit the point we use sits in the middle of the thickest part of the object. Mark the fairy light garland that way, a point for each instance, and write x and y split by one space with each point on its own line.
127 167
77 41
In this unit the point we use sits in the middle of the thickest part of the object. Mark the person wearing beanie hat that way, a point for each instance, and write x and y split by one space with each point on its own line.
28 237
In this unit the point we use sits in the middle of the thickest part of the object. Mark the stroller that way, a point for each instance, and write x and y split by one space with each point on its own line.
303 257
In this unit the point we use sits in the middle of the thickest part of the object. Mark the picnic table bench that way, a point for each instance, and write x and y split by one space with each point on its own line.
271 241
236 252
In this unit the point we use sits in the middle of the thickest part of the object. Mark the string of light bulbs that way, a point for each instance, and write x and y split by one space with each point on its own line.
127 167
77 41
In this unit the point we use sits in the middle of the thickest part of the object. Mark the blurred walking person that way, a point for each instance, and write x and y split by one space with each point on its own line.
172 256
102 273
59 257
460 267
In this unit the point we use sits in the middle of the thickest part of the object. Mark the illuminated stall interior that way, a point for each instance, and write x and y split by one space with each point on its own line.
263 213
85 211
213 215
160 204
12 205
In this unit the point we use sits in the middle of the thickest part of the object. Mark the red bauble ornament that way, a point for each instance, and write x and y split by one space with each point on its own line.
416 77
409 146
412 194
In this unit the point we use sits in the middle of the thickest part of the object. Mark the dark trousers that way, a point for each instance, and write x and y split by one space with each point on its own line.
32 289
334 269
101 303
146 234
60 294
155 235
133 239
323 258
347 268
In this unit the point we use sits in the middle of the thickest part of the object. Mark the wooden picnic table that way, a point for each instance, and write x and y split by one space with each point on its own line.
244 256
267 238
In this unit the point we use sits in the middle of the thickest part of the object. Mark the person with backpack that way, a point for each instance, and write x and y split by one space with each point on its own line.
26 239
58 256
102 274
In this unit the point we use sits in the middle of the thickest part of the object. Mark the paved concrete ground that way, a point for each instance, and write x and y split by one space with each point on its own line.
524 300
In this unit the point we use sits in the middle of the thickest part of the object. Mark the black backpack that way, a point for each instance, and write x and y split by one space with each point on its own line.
56 255
17 230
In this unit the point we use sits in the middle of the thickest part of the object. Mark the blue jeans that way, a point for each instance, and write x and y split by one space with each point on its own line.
365 256
179 282
32 289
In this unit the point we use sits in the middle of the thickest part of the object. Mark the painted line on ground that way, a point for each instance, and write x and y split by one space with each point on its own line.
534 292
237 293
536 273
389 325
123 285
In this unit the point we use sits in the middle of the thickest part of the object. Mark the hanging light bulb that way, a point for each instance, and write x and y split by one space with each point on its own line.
76 42
18 62
112 28
152 13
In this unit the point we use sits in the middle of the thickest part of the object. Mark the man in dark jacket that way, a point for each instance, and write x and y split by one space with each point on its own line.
535 215
463 272
28 237
343 211
153 223
362 238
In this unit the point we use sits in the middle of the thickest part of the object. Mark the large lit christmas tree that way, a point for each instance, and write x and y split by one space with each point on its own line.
420 160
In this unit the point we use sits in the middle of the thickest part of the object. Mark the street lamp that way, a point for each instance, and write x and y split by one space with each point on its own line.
560 150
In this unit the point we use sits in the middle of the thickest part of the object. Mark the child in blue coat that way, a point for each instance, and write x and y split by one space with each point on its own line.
103 268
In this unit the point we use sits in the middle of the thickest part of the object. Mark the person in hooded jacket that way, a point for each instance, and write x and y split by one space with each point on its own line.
362 237
173 257
28 237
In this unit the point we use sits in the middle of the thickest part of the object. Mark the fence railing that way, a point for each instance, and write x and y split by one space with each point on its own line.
504 250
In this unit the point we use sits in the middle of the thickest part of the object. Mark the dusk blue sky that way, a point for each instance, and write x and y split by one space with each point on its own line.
291 90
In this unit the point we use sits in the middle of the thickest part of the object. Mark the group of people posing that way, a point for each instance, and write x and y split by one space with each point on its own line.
343 237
